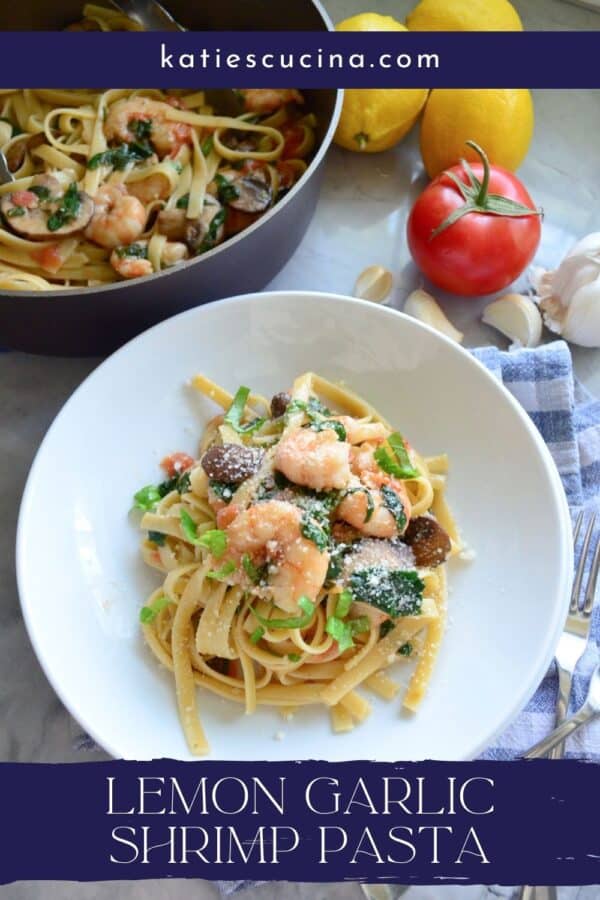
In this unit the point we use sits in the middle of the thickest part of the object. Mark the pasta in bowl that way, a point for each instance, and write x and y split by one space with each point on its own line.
303 555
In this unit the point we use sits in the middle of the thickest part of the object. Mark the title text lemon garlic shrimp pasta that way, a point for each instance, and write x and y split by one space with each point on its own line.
119 184
303 554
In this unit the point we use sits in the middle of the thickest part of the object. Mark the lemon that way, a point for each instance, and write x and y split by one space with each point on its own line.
464 15
500 121
374 119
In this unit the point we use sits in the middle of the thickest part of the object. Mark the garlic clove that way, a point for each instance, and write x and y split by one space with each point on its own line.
580 322
374 283
421 305
517 317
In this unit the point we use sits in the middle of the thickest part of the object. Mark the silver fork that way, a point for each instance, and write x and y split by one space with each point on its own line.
590 710
569 651
573 640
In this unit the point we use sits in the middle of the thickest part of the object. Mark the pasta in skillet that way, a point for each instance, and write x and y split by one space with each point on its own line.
303 553
123 183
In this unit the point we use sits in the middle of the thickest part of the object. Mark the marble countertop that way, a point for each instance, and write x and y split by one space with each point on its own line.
359 222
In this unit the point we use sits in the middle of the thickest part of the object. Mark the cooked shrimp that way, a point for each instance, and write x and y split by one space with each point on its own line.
131 261
154 187
118 218
266 100
367 483
269 532
357 432
314 459
130 266
166 136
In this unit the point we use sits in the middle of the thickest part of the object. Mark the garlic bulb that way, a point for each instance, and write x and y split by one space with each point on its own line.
569 297
517 317
422 306
374 283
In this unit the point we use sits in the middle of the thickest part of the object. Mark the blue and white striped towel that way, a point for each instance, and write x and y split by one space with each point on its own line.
568 418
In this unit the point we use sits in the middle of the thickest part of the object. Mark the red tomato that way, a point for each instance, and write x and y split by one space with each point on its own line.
25 198
481 251
48 258
293 140
176 463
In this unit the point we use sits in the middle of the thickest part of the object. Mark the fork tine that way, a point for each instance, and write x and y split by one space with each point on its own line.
590 590
573 606
577 527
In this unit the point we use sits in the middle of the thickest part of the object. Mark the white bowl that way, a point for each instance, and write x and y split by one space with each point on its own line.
82 583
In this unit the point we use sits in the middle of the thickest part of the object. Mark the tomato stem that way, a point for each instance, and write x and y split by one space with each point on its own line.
477 199
483 191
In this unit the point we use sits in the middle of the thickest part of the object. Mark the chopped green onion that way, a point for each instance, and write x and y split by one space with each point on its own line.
294 657
340 632
343 632
253 573
257 634
147 498
215 540
233 416
308 610
207 145
157 537
222 573
343 604
400 465
149 613
405 649
331 424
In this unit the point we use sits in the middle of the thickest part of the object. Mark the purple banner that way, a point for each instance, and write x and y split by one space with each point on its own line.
409 823
548 59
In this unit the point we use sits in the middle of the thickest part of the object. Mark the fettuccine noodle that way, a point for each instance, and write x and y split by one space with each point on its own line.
303 554
123 183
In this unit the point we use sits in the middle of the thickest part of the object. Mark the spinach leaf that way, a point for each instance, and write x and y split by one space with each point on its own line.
68 209
399 465
393 502
226 190
120 157
394 591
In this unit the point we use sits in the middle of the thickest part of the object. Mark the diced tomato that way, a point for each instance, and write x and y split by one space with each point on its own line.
176 463
176 102
226 515
234 669
293 140
252 165
286 175
236 220
48 258
24 198
327 655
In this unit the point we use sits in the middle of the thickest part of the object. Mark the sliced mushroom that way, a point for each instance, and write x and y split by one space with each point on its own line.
279 404
249 193
428 541
172 223
202 233
44 212
16 153
231 463
376 552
